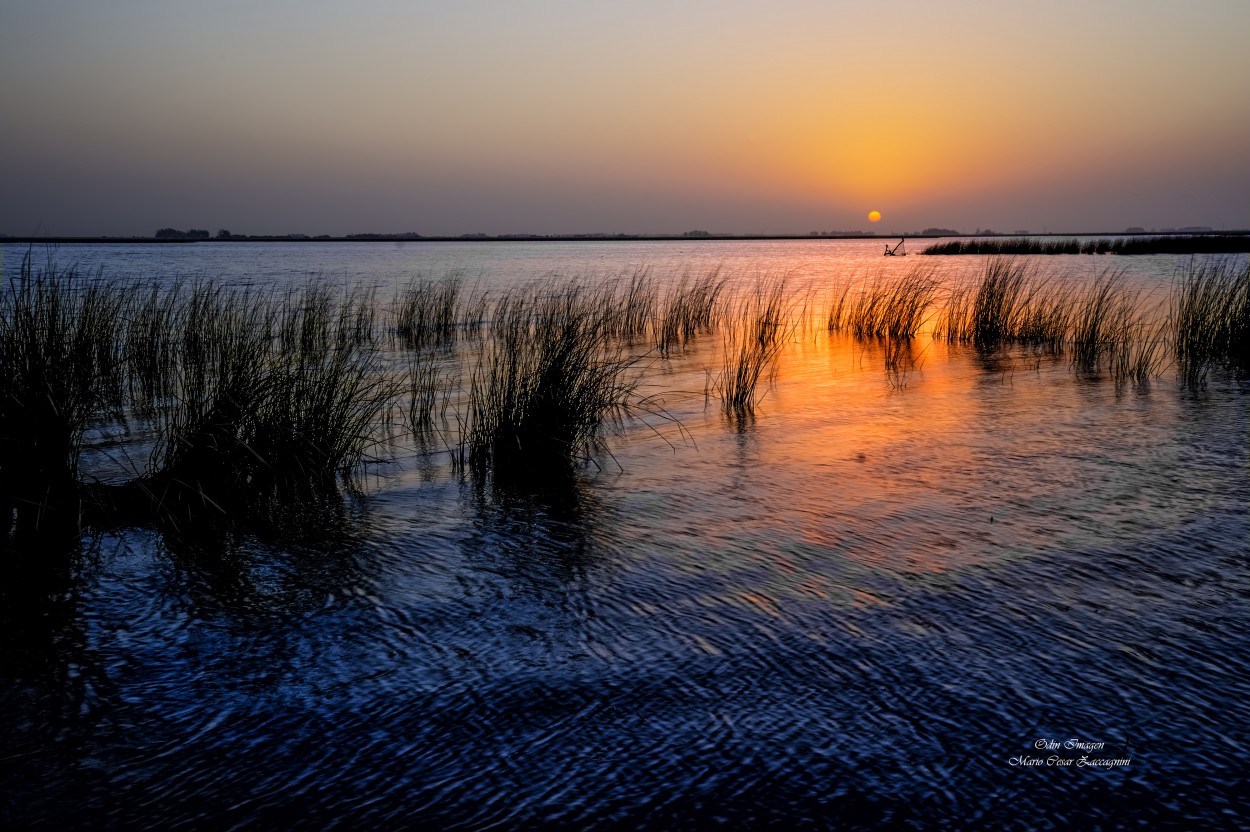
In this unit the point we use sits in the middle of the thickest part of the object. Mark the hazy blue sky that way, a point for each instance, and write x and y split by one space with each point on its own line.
548 117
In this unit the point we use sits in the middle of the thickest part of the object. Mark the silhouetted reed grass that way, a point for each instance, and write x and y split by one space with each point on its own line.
888 308
760 325
1099 320
1210 318
1138 352
429 395
688 308
1161 244
551 382
248 397
631 307
427 311
243 393
62 366
835 321
1008 304
151 347
273 394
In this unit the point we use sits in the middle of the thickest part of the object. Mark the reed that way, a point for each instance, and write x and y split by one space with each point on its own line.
1153 244
1210 318
835 321
1044 317
427 311
631 307
952 322
997 304
1137 355
323 402
429 395
272 395
751 347
1101 322
475 313
61 368
1007 304
547 389
892 309
688 308
151 348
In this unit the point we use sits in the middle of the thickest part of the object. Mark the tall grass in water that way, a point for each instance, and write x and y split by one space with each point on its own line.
273 396
1210 319
151 347
427 311
835 321
1137 354
324 399
1161 244
997 304
549 385
1109 331
61 368
632 306
761 324
1009 304
428 395
688 308
889 309
1045 316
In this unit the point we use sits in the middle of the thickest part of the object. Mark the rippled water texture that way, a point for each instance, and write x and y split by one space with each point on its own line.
862 608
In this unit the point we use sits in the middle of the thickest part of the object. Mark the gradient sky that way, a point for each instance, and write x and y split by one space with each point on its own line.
567 117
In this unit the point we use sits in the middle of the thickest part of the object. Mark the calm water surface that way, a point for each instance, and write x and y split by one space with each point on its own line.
861 609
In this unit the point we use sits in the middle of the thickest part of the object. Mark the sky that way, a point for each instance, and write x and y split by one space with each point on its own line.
553 117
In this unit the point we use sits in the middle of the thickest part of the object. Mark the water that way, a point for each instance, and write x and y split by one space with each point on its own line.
862 609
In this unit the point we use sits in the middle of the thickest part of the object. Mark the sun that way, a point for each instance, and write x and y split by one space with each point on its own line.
874 216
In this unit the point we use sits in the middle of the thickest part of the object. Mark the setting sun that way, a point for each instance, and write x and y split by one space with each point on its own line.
874 216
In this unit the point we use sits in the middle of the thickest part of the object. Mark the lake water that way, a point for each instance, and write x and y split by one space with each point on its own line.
869 606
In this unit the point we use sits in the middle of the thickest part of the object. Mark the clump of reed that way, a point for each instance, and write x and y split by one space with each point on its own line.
688 308
952 321
427 311
326 397
888 309
151 346
1210 318
62 367
631 305
1153 244
1008 304
273 396
550 384
1137 353
762 321
997 305
243 394
429 395
1099 319
1109 331
1044 316
835 321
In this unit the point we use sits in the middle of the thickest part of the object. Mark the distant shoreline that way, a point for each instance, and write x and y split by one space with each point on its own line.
583 238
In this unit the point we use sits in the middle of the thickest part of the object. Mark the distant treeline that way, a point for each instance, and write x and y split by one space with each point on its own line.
175 234
1165 244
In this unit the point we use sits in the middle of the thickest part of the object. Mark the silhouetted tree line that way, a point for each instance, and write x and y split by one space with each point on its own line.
175 234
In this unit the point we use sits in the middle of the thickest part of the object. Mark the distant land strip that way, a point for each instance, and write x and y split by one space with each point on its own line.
1101 242
470 238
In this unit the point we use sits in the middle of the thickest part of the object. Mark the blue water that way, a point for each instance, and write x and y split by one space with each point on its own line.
862 609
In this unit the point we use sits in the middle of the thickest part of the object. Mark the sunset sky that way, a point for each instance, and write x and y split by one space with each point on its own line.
568 117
